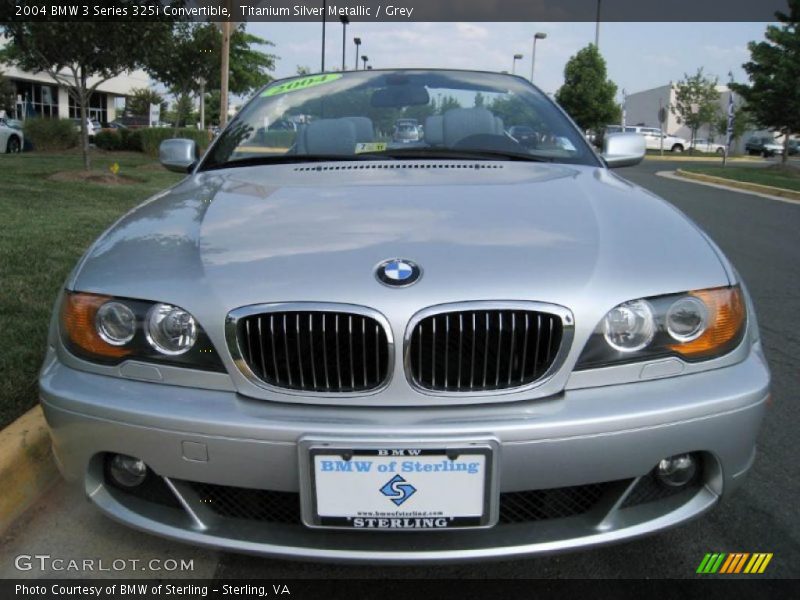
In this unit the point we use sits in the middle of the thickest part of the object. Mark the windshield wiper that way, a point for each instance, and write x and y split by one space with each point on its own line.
281 159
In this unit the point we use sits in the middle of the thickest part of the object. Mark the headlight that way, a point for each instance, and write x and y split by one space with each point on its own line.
687 319
629 327
170 330
697 325
116 323
109 330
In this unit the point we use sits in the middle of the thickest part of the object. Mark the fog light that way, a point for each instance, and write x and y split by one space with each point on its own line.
676 471
128 471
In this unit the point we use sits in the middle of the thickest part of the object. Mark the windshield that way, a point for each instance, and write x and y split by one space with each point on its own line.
399 114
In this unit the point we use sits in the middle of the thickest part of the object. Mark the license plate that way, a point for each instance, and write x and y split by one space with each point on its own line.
404 488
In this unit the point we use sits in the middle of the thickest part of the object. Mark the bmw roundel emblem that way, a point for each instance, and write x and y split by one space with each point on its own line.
398 272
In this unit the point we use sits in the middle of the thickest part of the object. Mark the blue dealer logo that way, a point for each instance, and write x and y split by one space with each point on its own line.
398 490
398 272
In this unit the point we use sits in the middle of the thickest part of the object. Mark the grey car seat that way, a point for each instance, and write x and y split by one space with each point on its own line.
328 136
434 130
461 123
365 131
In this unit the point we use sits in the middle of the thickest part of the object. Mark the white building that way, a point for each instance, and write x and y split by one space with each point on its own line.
38 95
641 108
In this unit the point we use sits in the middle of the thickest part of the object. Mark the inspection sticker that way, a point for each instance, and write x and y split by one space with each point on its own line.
301 84
370 147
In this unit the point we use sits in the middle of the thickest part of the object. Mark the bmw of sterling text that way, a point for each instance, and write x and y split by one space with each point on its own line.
404 315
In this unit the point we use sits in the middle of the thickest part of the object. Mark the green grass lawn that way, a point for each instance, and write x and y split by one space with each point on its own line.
774 175
667 152
46 227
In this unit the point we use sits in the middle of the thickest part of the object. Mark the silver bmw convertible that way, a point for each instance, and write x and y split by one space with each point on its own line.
325 344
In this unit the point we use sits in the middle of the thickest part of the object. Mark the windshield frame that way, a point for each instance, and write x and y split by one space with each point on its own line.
589 156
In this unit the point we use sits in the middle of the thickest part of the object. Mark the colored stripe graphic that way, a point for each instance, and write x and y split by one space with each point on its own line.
734 563
711 563
758 563
727 564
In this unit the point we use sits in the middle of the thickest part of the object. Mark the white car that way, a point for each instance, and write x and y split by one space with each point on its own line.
11 138
92 126
652 137
704 145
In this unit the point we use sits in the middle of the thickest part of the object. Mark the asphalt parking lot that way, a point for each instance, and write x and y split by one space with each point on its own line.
761 237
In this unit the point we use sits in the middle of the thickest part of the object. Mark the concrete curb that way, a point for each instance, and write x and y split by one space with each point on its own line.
27 467
717 159
741 185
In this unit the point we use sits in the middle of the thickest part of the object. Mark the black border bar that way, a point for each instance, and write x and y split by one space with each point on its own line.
396 10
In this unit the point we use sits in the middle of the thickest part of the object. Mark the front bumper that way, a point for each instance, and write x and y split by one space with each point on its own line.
610 436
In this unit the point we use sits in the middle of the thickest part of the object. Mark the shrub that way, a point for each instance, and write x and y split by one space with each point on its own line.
131 140
108 140
50 134
151 138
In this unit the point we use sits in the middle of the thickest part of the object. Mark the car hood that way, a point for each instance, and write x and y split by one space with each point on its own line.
580 237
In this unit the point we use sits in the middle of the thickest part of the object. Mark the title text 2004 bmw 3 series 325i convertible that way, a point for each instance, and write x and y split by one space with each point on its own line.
334 342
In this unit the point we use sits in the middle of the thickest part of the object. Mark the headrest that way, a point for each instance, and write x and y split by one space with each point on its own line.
460 123
434 130
328 136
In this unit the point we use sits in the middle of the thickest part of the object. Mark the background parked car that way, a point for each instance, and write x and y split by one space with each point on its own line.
11 138
92 125
114 126
652 137
763 145
704 145
406 131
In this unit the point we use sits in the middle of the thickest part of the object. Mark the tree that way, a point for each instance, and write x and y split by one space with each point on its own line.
742 122
183 111
696 101
193 51
8 96
419 112
138 103
303 70
72 53
212 106
447 103
773 96
587 95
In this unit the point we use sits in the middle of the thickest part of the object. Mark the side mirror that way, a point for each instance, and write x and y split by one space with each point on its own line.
623 149
178 154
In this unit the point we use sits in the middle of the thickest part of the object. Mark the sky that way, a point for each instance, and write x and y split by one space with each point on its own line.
639 56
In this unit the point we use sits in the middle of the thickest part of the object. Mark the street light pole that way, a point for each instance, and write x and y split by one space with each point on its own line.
357 42
597 28
345 22
537 36
202 82
324 10
226 54
365 59
514 63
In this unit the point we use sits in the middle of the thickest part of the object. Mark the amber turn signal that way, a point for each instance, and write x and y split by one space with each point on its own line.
78 322
726 319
